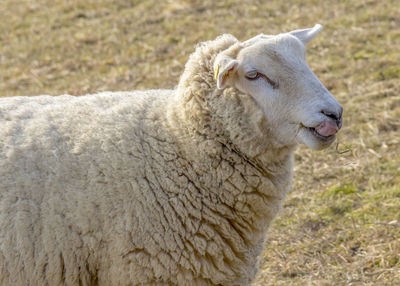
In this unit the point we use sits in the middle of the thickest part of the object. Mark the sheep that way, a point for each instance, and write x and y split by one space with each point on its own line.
160 187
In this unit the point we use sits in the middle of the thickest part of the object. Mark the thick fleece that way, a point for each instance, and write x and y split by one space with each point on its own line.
173 187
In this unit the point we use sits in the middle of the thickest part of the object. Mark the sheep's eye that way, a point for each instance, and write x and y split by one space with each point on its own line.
253 75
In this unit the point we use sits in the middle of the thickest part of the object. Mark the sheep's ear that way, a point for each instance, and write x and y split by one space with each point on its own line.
306 35
224 68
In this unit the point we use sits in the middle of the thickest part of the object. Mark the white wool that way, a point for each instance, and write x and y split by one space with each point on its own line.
158 187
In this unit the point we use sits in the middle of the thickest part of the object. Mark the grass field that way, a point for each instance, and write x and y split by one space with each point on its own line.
341 223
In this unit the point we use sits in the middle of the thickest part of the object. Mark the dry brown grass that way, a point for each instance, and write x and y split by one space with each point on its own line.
341 223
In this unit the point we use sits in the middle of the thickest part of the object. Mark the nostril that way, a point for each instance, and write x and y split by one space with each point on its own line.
335 116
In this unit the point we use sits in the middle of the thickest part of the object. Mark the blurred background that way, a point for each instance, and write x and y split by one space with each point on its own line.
341 223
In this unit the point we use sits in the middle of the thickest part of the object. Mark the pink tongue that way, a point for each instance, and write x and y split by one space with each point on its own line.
327 128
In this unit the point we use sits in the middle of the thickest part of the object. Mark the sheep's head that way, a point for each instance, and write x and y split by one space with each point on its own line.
273 70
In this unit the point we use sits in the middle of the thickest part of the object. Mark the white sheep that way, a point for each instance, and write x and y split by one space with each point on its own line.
160 187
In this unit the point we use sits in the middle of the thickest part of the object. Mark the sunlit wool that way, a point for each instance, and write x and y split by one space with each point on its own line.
158 187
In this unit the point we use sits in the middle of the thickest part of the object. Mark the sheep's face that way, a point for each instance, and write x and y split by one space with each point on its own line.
273 70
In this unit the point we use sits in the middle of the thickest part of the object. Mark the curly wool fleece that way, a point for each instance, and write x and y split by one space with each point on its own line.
173 187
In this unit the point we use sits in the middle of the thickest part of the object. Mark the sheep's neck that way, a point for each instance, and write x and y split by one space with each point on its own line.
233 186
230 200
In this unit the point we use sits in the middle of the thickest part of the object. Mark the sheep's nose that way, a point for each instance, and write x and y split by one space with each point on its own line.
336 116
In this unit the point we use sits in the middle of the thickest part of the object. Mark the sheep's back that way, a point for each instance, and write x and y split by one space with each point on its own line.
63 162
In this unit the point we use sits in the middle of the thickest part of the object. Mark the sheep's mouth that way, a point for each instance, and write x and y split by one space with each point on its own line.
325 131
314 132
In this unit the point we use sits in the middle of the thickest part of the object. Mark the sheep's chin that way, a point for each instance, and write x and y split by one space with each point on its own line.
311 139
